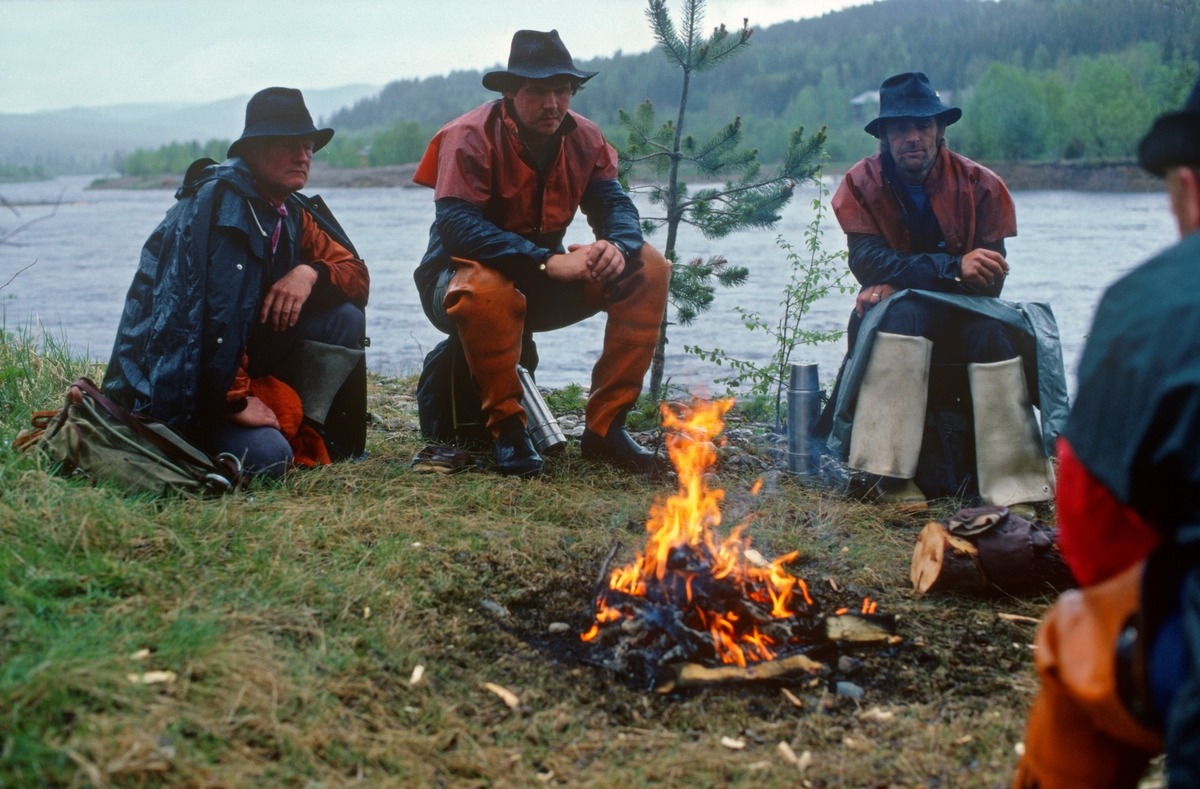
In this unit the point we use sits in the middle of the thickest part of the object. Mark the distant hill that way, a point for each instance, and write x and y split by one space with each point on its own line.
806 71
85 137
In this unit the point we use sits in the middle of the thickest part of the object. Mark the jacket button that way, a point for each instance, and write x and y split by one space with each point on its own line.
239 265
220 340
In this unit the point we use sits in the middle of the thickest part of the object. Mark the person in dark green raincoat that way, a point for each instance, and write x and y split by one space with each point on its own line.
1119 659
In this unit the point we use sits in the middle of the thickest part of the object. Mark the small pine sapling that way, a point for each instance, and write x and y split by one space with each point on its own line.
815 272
749 197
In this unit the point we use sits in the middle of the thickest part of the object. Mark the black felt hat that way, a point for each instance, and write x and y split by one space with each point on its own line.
280 112
910 96
1174 139
535 55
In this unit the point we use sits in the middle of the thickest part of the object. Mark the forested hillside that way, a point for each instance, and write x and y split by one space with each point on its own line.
1037 78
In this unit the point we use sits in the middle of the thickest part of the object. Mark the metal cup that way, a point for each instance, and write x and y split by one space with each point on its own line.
543 428
804 409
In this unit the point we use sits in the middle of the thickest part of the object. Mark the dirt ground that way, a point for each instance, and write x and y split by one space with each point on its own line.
293 618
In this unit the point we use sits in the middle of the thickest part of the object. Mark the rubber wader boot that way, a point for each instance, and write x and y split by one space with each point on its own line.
490 315
889 420
1012 468
635 305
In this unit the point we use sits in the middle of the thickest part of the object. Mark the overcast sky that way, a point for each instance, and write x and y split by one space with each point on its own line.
63 53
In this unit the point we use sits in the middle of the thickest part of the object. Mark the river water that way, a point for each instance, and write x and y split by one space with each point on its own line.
1071 246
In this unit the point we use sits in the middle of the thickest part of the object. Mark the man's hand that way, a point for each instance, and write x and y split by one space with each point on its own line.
255 414
286 298
605 259
870 296
982 267
572 266
601 261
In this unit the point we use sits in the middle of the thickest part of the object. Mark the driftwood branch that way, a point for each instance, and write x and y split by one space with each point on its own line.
603 574
4 237
14 276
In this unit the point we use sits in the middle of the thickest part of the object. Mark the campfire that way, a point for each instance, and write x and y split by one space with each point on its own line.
694 607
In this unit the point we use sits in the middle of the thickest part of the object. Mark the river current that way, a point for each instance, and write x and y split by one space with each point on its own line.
1070 247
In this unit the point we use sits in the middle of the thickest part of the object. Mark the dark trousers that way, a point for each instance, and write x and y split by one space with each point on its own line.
264 450
982 339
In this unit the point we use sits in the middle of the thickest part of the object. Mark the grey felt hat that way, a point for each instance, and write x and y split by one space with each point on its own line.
535 55
910 96
279 112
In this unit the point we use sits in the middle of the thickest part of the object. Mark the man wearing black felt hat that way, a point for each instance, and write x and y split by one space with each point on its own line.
508 178
243 292
1119 659
928 225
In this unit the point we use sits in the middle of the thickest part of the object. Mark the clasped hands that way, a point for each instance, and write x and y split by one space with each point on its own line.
600 261
979 267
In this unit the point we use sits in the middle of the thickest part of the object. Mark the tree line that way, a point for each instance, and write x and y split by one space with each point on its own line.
1037 79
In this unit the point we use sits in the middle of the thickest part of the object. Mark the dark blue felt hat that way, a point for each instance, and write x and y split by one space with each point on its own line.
535 55
280 112
910 96
1174 139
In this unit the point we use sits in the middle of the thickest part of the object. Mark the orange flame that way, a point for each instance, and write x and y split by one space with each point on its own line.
689 520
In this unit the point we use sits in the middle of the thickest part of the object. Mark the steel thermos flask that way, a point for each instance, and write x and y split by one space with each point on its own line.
804 408
543 428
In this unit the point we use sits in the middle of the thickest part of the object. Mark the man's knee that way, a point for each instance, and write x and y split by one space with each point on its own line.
910 317
646 280
344 325
477 293
261 450
986 340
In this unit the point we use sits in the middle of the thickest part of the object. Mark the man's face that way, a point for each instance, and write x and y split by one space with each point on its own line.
913 143
541 104
1183 185
281 164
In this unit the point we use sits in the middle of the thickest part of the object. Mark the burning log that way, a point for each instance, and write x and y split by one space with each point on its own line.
988 546
694 607
860 628
683 675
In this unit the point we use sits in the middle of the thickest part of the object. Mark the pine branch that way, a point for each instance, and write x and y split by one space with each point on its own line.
664 33
718 49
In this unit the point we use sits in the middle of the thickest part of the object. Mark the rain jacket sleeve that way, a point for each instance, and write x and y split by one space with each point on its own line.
465 233
874 262
612 215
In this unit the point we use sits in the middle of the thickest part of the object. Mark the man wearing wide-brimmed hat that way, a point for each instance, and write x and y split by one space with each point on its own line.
922 221
1119 659
244 325
508 178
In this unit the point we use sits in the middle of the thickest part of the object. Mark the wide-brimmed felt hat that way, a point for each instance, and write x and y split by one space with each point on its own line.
910 96
1174 139
280 112
535 55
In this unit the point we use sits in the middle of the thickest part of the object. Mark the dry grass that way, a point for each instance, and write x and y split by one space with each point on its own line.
258 603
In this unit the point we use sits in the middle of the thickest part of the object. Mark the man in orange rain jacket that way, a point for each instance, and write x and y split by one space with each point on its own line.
243 272
1119 659
508 178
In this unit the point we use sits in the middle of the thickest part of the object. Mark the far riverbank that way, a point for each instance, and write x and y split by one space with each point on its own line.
1124 176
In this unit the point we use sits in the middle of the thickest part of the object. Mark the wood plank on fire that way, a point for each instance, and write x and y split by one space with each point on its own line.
860 628
693 674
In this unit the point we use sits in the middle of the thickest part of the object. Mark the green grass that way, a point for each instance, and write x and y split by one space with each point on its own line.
258 603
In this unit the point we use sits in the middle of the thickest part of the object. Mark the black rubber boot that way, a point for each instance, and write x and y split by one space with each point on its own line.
620 450
513 450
